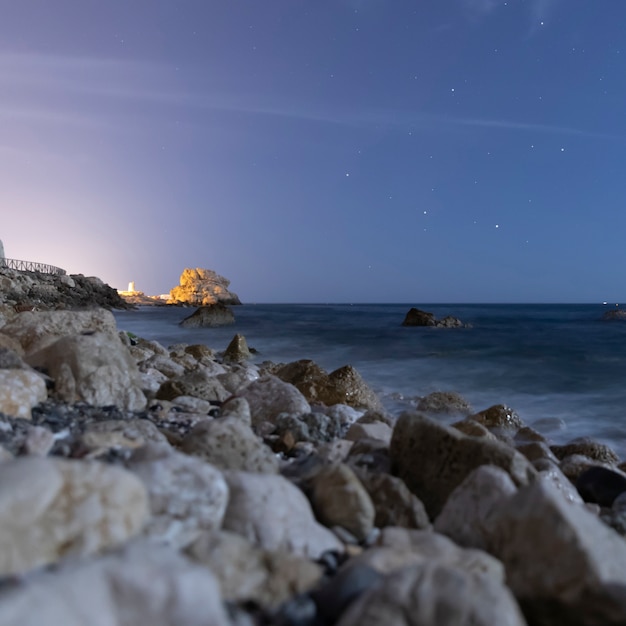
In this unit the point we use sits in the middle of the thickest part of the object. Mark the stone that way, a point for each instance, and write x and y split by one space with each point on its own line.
339 499
237 350
121 434
196 384
269 396
380 431
209 317
52 508
187 496
275 515
563 564
237 408
601 485
230 443
20 391
552 474
467 516
589 448
432 594
346 415
444 402
250 574
38 441
201 286
163 364
576 464
140 584
36 330
536 450
434 459
417 317
91 368
470 427
315 427
238 377
189 404
499 416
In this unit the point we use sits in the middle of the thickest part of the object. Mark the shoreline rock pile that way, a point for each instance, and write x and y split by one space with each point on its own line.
180 486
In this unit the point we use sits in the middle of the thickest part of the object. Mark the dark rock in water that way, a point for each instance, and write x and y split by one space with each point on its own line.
416 317
600 485
209 316
589 448
448 402
237 350
615 314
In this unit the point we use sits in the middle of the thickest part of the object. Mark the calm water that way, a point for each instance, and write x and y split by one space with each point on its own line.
545 361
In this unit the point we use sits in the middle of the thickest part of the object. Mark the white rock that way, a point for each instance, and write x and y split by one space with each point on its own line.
374 430
20 391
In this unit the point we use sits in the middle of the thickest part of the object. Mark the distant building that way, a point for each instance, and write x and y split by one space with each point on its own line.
1 250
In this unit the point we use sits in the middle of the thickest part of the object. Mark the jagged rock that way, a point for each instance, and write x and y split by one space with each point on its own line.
445 402
51 508
20 391
141 584
237 350
274 514
209 316
202 287
187 496
434 459
229 443
92 368
499 416
417 317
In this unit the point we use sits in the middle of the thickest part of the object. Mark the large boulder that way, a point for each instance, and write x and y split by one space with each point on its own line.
202 287
434 459
51 508
20 391
93 368
209 316
417 317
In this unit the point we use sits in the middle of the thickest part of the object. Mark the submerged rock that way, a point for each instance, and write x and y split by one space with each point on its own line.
209 316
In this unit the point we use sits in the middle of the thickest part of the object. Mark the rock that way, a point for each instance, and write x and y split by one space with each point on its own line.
467 516
238 377
589 448
499 416
202 287
237 350
141 584
38 441
91 368
163 364
470 427
434 459
536 450
563 564
416 317
51 508
229 443
275 515
189 404
431 594
394 504
237 408
20 391
269 396
552 474
444 402
601 485
121 434
249 574
187 496
576 464
335 451
339 499
380 431
196 384
614 314
315 427
209 316
36 330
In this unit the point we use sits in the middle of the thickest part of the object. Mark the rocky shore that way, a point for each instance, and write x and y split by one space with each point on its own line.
181 486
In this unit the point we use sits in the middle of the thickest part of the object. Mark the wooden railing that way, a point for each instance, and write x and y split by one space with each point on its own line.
30 266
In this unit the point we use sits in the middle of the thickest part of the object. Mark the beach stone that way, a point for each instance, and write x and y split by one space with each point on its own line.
444 402
187 496
434 459
380 431
470 427
38 441
152 346
601 485
346 415
209 316
237 350
535 450
8 344
196 384
576 464
237 408
199 351
140 584
467 515
10 359
93 368
230 443
36 330
371 455
339 499
335 451
238 377
315 427
51 508
275 515
499 416
563 564
526 434
121 434
151 380
432 594
394 504
552 474
163 364
189 404
269 396
20 391
249 574
589 448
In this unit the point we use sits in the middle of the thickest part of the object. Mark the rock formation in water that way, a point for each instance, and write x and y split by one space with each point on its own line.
417 317
209 316
202 287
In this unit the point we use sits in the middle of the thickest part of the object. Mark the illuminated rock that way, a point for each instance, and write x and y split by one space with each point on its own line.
202 287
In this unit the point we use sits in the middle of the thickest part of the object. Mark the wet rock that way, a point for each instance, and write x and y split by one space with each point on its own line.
51 508
601 485
209 317
472 428
499 416
433 459
536 450
237 350
444 402
589 448
416 317
20 391
576 464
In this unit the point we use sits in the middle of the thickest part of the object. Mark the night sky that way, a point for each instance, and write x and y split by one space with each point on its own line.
320 150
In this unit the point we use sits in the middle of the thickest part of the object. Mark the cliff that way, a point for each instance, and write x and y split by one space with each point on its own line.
202 287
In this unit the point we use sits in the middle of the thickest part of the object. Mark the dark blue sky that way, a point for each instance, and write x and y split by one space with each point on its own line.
320 150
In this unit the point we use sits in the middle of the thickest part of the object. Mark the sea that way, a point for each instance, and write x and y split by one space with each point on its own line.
561 367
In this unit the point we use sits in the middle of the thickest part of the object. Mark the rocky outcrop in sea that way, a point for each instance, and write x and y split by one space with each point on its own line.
201 287
417 317
182 485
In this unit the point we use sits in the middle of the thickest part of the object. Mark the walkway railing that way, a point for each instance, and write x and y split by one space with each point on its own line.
30 266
